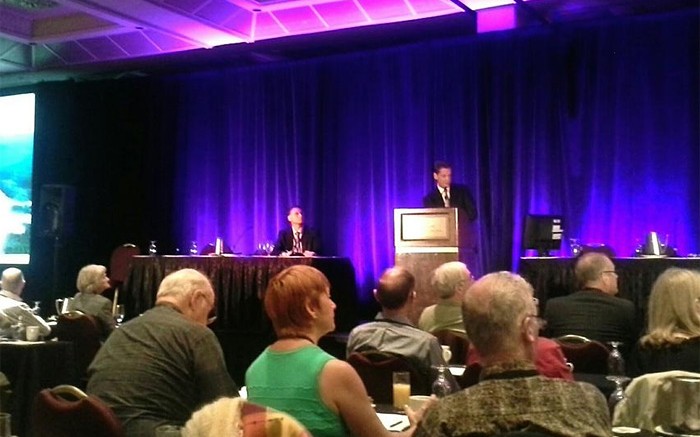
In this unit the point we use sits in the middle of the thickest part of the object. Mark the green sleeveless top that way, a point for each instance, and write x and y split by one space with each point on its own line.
288 381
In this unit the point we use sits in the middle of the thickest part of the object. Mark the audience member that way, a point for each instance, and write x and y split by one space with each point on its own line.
500 320
295 376
160 367
392 331
15 315
449 195
594 311
450 281
297 239
12 284
234 417
91 283
672 341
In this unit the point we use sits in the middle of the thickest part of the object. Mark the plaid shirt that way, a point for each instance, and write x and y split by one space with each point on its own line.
514 398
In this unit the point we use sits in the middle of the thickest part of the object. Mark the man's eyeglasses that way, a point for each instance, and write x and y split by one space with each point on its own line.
612 272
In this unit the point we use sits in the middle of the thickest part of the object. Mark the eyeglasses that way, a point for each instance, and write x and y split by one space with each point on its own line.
609 271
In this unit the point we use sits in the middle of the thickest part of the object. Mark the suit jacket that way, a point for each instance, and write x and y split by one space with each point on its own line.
593 314
98 306
460 197
285 241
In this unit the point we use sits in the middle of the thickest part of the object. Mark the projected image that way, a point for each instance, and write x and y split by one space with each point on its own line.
16 154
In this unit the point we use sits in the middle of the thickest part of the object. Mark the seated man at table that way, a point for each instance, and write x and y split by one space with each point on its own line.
15 314
297 239
501 321
392 331
594 311
161 367
450 281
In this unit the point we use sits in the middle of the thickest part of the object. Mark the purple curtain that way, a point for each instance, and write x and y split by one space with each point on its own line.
598 123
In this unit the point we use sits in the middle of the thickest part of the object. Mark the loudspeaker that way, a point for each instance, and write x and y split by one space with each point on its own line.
56 210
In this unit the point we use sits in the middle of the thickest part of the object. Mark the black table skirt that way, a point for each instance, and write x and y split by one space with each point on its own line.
31 368
238 283
242 327
554 277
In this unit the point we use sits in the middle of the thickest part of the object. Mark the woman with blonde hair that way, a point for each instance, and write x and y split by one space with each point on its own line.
91 283
294 375
672 341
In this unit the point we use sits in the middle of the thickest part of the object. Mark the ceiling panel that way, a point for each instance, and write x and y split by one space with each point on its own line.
341 14
88 35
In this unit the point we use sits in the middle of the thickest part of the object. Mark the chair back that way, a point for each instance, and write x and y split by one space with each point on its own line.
84 331
66 411
587 356
458 343
376 371
119 262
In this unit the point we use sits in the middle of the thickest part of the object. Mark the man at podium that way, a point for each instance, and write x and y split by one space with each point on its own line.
449 195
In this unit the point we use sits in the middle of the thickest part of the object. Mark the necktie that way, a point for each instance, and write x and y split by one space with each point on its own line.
446 197
297 242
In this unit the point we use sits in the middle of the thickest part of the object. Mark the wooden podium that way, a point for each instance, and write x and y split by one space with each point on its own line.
425 238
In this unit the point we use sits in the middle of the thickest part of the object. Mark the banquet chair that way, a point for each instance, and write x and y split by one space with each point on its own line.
376 370
654 400
586 355
84 331
457 341
119 267
66 411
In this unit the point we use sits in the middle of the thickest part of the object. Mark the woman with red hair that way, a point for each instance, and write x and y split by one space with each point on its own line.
294 375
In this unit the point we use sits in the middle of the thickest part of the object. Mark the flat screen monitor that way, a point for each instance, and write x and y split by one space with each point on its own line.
543 233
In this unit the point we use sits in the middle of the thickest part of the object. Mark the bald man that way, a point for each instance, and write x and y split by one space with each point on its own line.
14 313
161 367
392 331
501 320
594 311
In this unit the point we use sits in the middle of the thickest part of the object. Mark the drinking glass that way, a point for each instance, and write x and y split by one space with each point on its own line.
268 248
193 248
446 353
119 314
442 386
575 246
616 364
401 388
619 393
152 248
37 308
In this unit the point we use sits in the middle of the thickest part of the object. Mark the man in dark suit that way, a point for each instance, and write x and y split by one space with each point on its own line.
448 195
297 239
594 311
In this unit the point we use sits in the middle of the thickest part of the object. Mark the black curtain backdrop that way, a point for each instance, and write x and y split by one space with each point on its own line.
598 123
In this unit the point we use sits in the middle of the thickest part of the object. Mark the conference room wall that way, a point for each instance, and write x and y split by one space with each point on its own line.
596 122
